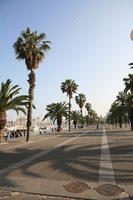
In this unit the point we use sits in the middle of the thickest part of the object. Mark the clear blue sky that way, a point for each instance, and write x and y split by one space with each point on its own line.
90 44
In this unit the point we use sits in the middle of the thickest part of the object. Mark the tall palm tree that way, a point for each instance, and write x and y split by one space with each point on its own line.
90 112
56 111
117 112
31 48
9 101
94 117
75 117
119 109
88 107
87 120
82 121
69 87
80 100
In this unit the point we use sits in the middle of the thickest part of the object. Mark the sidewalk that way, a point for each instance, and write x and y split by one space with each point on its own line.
54 190
11 195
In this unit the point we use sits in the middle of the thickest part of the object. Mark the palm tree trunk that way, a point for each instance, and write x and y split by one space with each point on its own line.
59 123
31 94
69 114
75 124
130 114
81 112
59 129
1 135
120 122
131 120
131 125
81 116
2 124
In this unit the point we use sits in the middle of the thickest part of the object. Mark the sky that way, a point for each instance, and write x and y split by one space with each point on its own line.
90 43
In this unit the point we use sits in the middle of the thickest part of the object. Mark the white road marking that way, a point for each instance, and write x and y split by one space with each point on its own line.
34 157
106 172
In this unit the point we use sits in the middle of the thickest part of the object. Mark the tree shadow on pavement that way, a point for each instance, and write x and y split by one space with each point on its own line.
67 163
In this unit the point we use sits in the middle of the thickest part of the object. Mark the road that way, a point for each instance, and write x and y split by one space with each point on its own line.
89 164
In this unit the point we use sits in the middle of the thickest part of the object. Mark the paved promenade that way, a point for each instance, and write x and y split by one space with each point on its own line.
87 164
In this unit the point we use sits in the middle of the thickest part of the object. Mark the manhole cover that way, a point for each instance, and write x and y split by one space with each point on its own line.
109 190
76 187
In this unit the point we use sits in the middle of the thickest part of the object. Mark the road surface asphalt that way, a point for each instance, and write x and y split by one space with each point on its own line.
87 164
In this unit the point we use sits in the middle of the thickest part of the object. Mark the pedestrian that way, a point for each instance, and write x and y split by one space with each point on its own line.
97 127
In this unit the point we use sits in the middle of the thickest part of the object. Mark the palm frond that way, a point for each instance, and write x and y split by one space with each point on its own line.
9 100
31 47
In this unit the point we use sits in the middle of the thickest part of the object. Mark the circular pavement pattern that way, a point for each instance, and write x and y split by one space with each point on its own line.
109 190
76 187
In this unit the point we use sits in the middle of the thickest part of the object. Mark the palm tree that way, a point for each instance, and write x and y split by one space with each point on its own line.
9 101
118 112
94 116
75 117
56 111
87 120
69 87
119 109
82 121
31 47
80 100
88 107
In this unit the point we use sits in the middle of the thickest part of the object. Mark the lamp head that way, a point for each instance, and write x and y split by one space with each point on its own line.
131 35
